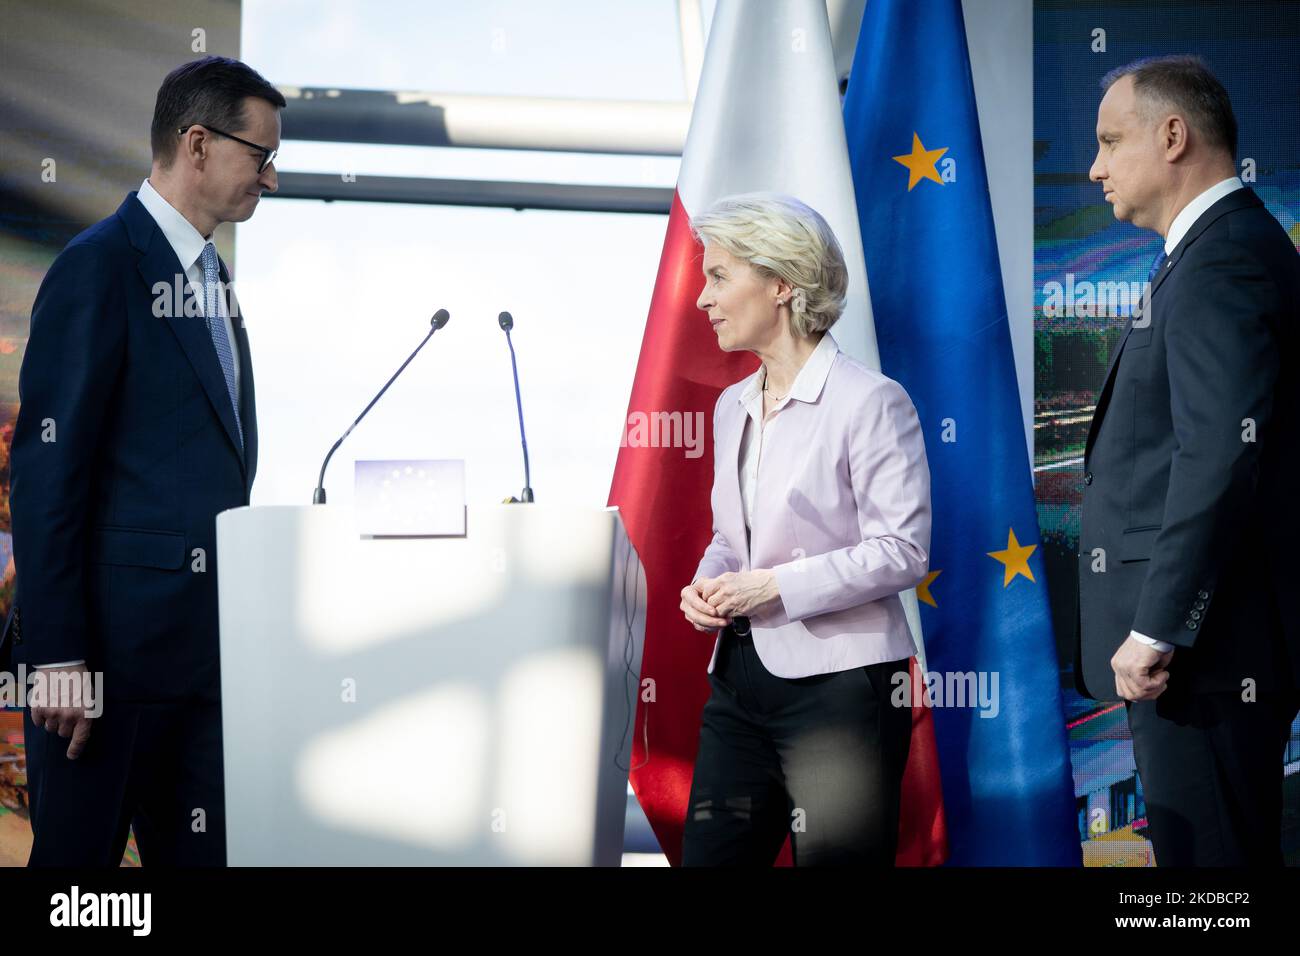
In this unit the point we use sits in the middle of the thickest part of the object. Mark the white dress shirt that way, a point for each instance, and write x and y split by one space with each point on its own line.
188 246
805 388
1177 230
1193 210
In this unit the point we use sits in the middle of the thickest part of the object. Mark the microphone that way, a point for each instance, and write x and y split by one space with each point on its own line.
507 322
438 321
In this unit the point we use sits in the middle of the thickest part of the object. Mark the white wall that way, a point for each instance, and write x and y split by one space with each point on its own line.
1000 35
337 295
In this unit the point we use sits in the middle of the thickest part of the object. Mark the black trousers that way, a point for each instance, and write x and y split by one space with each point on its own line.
154 767
818 758
1211 771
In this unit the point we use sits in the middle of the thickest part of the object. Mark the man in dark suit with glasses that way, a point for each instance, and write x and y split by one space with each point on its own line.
137 426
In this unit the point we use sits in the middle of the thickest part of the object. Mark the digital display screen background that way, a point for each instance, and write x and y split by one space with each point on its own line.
1254 49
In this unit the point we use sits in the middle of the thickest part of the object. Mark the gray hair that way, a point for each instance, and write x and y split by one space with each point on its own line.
1186 85
783 238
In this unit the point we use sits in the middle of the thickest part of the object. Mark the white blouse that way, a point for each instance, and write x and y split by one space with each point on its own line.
751 439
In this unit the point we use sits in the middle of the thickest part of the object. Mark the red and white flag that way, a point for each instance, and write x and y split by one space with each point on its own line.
767 117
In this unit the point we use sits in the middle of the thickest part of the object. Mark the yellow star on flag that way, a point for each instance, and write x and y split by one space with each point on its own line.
1015 558
920 163
923 589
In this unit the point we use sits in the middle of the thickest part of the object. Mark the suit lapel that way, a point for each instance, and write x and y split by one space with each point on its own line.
247 395
158 265
735 528
1103 397
1238 199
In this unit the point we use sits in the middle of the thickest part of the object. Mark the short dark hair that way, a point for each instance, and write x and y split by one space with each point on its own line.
210 92
1186 84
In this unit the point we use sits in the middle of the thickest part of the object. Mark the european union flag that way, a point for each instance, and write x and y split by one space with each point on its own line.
941 323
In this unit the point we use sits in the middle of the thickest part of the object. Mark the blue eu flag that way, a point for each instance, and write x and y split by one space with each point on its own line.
941 323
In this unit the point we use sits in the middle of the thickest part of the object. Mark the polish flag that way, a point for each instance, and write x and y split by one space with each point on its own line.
767 117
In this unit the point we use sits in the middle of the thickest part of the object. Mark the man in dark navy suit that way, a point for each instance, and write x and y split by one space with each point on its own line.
137 426
1187 557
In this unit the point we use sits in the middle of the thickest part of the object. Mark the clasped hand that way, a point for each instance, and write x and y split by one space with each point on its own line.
711 603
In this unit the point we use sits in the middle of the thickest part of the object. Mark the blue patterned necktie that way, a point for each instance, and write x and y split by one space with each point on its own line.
1157 265
217 328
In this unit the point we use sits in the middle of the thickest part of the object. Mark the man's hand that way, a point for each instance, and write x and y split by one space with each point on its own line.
1141 672
740 592
697 610
65 696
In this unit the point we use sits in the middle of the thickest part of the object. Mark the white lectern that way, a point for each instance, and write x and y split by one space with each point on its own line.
414 701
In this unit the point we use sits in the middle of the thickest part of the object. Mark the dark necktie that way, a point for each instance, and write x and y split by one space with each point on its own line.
1157 265
217 328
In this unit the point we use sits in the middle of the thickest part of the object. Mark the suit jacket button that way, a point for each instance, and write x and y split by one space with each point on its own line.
1191 625
1195 615
1199 605
1203 595
1087 477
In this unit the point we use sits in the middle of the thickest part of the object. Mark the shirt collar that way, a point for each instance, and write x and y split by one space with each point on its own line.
1193 210
176 229
807 384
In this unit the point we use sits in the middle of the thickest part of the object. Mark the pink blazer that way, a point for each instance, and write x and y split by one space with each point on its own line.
841 514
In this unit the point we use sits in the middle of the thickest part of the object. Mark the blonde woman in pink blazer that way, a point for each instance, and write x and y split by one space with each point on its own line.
821 517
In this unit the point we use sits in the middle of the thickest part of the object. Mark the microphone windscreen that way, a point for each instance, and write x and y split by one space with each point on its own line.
440 318
506 321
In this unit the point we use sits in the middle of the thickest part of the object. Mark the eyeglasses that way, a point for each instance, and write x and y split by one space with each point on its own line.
268 155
